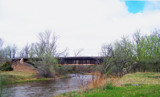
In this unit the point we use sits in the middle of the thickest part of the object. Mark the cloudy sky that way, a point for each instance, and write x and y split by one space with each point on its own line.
80 24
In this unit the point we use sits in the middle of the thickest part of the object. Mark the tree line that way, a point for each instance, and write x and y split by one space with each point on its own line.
139 53
45 49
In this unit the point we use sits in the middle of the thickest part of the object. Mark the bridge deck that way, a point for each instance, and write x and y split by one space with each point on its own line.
69 60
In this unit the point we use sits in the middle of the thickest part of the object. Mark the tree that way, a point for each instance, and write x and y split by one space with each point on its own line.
117 58
142 54
107 54
8 52
22 53
26 51
31 50
1 43
77 52
1 51
46 50
14 51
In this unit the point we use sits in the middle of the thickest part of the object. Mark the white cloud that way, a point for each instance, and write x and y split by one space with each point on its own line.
80 24
150 6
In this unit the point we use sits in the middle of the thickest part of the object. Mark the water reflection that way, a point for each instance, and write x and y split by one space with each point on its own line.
46 88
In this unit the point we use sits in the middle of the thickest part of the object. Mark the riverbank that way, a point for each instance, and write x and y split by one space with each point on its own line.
11 77
130 85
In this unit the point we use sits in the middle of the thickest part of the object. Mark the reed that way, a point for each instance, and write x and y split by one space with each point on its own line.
97 82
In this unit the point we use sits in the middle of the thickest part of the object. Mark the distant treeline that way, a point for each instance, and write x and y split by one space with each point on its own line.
139 53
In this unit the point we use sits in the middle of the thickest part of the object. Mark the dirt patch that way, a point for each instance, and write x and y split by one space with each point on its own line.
25 67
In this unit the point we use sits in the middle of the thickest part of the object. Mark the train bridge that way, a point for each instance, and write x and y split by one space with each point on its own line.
69 60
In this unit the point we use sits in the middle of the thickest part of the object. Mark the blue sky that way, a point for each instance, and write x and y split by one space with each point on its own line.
138 6
135 6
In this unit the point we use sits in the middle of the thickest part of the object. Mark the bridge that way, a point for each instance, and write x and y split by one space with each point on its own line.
69 60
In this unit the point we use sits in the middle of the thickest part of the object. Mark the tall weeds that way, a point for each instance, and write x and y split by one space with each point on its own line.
0 86
97 81
103 81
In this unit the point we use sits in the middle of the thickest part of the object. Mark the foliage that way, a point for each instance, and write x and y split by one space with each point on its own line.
140 54
6 66
110 86
8 52
65 69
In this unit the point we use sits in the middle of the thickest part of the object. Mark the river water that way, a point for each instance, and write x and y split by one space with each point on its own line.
46 88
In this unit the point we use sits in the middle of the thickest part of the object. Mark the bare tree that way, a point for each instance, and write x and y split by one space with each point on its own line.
26 51
77 52
8 52
64 53
107 54
21 53
14 50
1 50
46 50
31 50
1 43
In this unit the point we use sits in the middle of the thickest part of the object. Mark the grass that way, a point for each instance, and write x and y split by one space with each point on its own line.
141 78
127 91
10 77
130 85
16 77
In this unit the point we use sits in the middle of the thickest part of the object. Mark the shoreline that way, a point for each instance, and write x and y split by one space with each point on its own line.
7 78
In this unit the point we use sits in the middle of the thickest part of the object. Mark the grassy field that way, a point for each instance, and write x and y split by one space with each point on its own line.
130 85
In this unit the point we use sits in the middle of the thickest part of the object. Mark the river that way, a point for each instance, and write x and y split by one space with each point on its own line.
46 88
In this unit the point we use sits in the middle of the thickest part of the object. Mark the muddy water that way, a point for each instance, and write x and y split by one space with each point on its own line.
46 88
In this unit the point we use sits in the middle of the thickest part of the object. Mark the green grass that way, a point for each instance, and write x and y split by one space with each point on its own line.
132 85
125 91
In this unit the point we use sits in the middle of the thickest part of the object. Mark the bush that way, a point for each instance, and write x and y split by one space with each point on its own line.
110 86
63 69
6 66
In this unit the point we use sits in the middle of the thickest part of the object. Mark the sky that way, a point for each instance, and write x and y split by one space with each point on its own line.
135 6
79 24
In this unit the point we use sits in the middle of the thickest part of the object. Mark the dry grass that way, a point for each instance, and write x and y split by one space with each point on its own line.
114 80
94 73
102 80
141 78
9 77
17 73
13 76
97 82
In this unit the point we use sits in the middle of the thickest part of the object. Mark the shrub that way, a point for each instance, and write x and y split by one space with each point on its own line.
6 66
110 86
